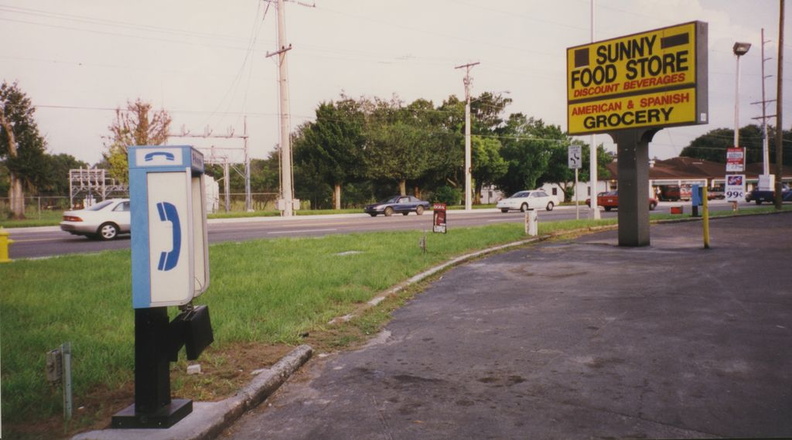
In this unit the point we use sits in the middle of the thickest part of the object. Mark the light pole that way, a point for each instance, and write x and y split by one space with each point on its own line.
739 49
468 181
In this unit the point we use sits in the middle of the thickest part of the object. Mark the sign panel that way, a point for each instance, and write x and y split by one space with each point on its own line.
575 159
169 212
652 79
439 218
735 187
735 160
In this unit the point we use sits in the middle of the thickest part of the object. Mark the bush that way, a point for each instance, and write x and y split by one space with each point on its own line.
447 195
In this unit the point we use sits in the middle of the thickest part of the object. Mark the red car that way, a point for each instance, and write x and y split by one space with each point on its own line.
610 200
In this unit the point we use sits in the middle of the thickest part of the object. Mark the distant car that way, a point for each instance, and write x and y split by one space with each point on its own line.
610 200
397 204
715 193
525 200
104 220
758 196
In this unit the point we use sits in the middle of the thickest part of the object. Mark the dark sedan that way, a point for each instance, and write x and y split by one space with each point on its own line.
397 204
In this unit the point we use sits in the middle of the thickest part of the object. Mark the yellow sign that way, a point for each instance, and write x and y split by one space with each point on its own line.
651 79
648 110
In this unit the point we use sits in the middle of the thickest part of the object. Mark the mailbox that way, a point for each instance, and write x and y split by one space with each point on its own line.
170 264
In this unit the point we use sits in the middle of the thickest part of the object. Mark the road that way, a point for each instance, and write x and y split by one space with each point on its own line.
51 241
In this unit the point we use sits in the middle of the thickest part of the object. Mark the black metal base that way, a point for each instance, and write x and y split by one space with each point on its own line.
163 418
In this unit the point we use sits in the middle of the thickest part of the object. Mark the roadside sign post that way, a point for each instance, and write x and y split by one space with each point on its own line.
575 153
630 88
170 267
439 220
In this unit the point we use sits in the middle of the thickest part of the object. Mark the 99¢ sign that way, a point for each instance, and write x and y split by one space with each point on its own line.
735 187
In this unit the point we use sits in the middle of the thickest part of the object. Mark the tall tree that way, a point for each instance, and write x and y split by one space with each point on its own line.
56 179
332 145
136 125
526 148
488 165
21 146
712 145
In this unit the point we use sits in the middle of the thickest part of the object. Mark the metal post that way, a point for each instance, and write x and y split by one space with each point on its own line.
153 407
705 220
67 381
779 171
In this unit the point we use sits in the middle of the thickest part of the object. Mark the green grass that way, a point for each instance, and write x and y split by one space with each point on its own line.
266 291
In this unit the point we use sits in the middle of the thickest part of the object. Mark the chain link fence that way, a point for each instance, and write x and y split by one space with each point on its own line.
37 207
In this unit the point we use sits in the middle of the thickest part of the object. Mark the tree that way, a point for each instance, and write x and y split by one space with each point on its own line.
137 125
488 165
21 145
526 148
332 145
712 145
56 179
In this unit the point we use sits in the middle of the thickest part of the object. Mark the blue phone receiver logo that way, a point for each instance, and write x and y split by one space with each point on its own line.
169 259
150 156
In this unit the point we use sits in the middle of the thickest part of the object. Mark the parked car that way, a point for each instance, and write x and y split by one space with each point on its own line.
610 200
525 200
397 204
758 196
104 220
673 193
716 193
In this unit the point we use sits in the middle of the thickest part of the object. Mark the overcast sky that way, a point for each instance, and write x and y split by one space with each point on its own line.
204 61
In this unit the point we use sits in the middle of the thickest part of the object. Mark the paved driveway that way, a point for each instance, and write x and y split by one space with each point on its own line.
575 339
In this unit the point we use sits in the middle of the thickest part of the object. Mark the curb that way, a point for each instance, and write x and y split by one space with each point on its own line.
209 419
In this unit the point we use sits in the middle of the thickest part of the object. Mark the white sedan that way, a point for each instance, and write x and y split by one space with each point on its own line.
525 200
105 220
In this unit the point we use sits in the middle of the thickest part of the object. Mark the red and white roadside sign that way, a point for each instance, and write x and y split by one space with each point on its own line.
735 160
439 218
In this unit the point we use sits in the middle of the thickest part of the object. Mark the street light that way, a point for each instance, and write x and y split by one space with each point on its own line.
739 49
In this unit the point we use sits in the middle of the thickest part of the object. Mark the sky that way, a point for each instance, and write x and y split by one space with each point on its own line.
205 62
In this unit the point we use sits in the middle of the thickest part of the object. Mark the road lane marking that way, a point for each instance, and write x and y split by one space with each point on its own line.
301 231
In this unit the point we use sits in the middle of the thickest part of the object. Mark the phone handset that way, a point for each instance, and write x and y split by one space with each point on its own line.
168 213
150 156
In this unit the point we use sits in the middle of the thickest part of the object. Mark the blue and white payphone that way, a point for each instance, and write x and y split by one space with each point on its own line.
170 267
170 264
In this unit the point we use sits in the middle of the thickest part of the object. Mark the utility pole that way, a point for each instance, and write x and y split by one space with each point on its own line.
286 201
764 182
595 214
467 81
779 110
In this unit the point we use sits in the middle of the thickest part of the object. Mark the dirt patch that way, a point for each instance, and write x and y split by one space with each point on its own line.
223 372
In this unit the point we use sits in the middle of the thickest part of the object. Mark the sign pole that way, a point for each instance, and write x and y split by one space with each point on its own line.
632 147
577 198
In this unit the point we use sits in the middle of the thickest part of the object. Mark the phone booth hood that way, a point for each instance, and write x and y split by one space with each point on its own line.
170 264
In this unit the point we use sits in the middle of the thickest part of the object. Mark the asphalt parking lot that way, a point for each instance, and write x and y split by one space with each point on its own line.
570 339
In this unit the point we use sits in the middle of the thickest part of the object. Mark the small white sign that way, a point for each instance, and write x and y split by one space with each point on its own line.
575 156
735 187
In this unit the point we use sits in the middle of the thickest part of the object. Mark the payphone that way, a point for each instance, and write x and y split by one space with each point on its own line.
170 267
